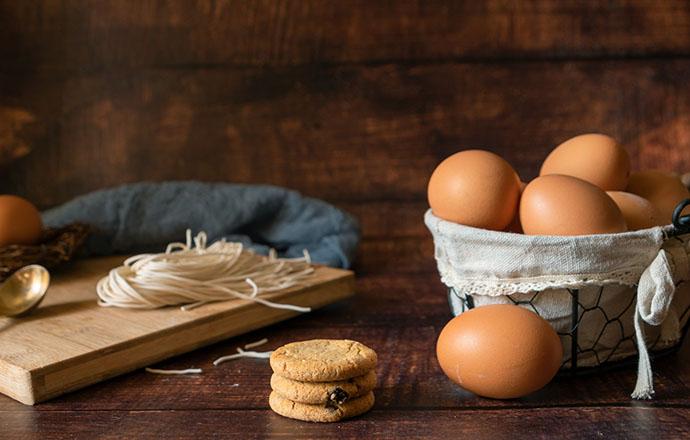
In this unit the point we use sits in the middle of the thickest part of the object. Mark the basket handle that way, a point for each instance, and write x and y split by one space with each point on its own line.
681 223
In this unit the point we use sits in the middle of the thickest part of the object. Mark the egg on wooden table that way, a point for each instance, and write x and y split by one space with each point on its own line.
565 205
20 221
593 157
664 190
638 212
475 188
500 351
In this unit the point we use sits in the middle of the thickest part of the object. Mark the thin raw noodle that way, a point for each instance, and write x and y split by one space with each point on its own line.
175 372
256 343
192 274
243 354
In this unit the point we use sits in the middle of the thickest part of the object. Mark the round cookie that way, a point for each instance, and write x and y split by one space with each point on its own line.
320 413
323 360
337 392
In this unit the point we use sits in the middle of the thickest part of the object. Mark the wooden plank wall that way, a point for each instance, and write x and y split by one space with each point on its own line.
350 101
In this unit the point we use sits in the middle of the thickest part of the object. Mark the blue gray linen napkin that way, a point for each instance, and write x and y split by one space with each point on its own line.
145 217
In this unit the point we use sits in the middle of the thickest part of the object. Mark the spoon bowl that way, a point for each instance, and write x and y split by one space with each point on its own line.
23 290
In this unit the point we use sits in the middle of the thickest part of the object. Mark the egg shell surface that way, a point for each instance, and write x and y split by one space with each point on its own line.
475 188
685 178
638 212
500 351
515 227
565 205
594 157
664 190
20 221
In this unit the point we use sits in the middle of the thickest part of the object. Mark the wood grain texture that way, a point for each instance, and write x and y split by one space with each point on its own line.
70 342
400 317
353 134
95 35
354 102
545 423
397 313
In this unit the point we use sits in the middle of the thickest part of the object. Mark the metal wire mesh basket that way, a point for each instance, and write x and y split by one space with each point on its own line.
611 337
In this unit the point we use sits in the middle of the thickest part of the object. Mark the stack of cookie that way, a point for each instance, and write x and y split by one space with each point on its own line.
323 380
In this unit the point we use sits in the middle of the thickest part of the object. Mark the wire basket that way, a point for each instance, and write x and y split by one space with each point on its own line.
56 246
614 345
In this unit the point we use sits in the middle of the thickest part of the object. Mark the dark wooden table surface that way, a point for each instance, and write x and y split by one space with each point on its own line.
398 311
353 102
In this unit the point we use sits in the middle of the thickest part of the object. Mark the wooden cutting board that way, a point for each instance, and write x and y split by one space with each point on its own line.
70 342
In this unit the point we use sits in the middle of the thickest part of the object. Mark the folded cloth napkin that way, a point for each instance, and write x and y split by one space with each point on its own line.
145 217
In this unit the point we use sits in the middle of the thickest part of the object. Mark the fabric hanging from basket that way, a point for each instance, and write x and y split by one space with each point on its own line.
655 294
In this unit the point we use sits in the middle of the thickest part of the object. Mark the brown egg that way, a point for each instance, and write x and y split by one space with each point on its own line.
593 157
639 213
475 188
20 221
565 205
664 190
515 226
500 351
685 178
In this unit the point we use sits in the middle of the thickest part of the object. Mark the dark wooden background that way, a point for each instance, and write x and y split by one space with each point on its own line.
353 102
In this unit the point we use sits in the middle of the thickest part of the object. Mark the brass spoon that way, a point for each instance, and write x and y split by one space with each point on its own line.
23 290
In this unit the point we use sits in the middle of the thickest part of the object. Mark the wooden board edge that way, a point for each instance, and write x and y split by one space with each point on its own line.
46 383
17 383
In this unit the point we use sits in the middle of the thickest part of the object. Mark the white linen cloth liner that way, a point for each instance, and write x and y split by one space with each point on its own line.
481 262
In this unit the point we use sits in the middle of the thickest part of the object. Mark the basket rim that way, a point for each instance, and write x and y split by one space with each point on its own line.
494 263
443 225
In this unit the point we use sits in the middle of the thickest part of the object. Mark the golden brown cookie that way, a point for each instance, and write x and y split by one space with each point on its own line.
323 360
320 413
336 392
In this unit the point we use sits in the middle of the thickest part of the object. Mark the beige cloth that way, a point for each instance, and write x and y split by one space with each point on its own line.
492 266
